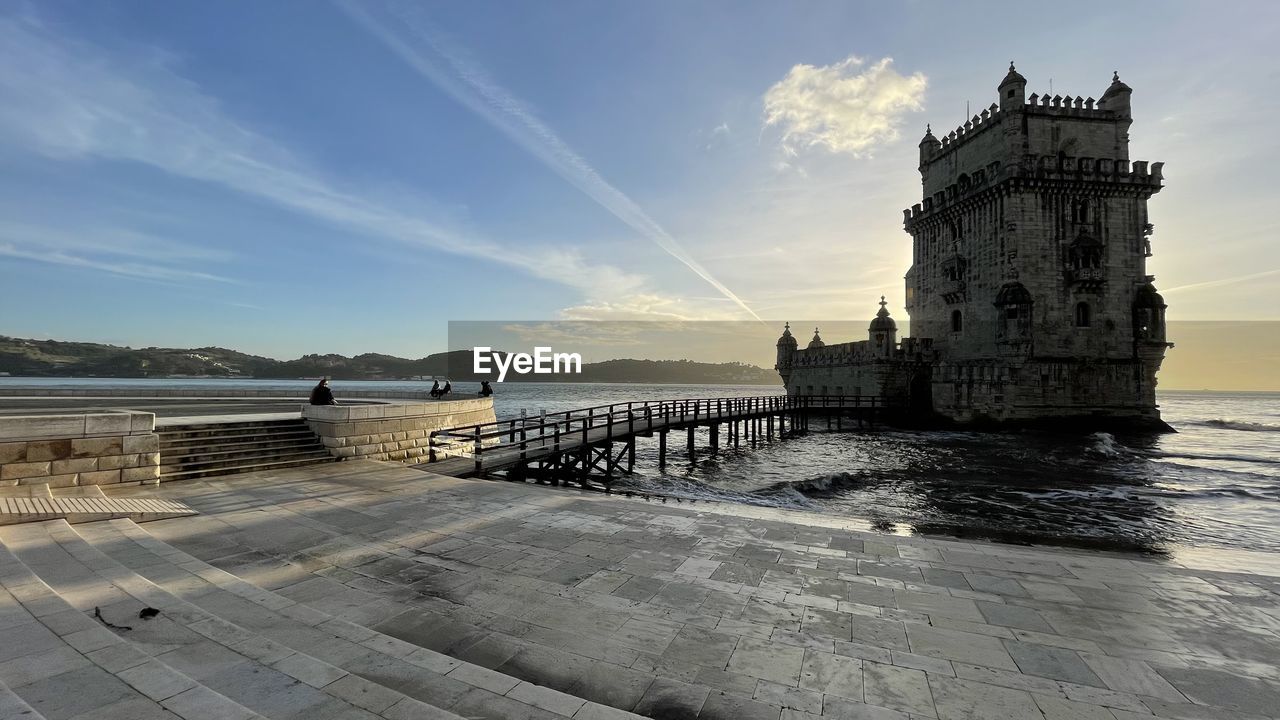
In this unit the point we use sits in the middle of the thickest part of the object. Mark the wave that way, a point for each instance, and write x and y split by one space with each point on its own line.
1165 455
1105 444
1225 424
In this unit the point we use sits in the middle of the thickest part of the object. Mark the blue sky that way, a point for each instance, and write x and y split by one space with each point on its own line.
293 177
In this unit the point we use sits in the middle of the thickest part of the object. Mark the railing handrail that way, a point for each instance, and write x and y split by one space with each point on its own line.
481 435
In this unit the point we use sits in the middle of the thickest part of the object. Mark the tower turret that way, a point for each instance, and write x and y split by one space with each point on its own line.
1013 90
816 342
883 332
929 145
1116 98
786 351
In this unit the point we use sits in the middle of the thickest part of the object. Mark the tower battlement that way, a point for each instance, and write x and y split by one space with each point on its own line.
1113 172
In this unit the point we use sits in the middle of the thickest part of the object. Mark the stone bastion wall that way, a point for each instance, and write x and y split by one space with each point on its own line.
102 448
395 431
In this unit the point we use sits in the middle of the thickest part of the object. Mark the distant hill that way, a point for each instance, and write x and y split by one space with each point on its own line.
53 358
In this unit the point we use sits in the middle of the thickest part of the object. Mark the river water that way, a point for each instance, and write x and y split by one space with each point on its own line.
1214 484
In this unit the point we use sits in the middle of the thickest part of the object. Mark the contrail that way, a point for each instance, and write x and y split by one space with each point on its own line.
472 87
1223 281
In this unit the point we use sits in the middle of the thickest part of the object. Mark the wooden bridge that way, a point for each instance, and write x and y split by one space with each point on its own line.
596 444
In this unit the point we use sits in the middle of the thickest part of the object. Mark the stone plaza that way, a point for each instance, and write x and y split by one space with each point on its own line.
371 589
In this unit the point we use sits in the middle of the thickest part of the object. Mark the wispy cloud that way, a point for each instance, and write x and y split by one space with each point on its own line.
139 270
1222 281
71 100
846 107
417 43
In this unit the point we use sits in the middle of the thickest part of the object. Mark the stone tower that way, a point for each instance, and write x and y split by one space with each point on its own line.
1029 261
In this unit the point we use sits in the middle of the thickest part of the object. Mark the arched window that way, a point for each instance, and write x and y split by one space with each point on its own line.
1082 314
957 321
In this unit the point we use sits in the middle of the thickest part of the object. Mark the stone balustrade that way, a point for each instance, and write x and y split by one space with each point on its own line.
79 449
394 431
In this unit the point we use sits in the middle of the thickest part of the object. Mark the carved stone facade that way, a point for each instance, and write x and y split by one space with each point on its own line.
1028 291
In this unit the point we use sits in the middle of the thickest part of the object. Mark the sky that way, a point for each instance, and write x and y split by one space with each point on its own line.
349 176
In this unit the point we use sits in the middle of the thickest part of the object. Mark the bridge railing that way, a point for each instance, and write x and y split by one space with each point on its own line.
547 433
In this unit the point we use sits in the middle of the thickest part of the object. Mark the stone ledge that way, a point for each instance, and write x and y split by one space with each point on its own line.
78 425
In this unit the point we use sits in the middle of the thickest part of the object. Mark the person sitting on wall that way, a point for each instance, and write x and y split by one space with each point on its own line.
435 389
485 389
448 388
321 394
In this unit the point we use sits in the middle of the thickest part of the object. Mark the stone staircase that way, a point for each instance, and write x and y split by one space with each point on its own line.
219 647
84 503
209 449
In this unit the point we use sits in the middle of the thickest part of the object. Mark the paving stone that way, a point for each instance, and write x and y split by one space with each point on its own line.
1014 616
611 685
956 698
788 697
721 706
1225 690
546 699
767 661
701 647
832 674
156 680
897 688
77 692
672 699
1056 708
1052 662
838 708
1131 676
961 646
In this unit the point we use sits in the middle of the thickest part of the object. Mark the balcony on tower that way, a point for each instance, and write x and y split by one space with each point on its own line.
1084 268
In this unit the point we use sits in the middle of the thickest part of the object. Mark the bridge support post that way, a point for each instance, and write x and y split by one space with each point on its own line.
715 436
689 443
662 448
631 453
769 427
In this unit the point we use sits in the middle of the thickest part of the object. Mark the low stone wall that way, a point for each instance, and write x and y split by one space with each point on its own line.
395 431
81 449
137 392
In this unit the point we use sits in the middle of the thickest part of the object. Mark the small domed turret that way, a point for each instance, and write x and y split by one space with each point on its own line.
787 338
928 145
1116 98
882 321
883 331
786 351
1013 90
816 342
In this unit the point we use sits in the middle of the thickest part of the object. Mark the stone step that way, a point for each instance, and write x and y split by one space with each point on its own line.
297 625
179 451
88 508
263 675
58 660
13 707
222 460
241 468
263 435
199 429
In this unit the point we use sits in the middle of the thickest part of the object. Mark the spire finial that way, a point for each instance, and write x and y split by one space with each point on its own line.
1010 66
1115 76
882 302
928 128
